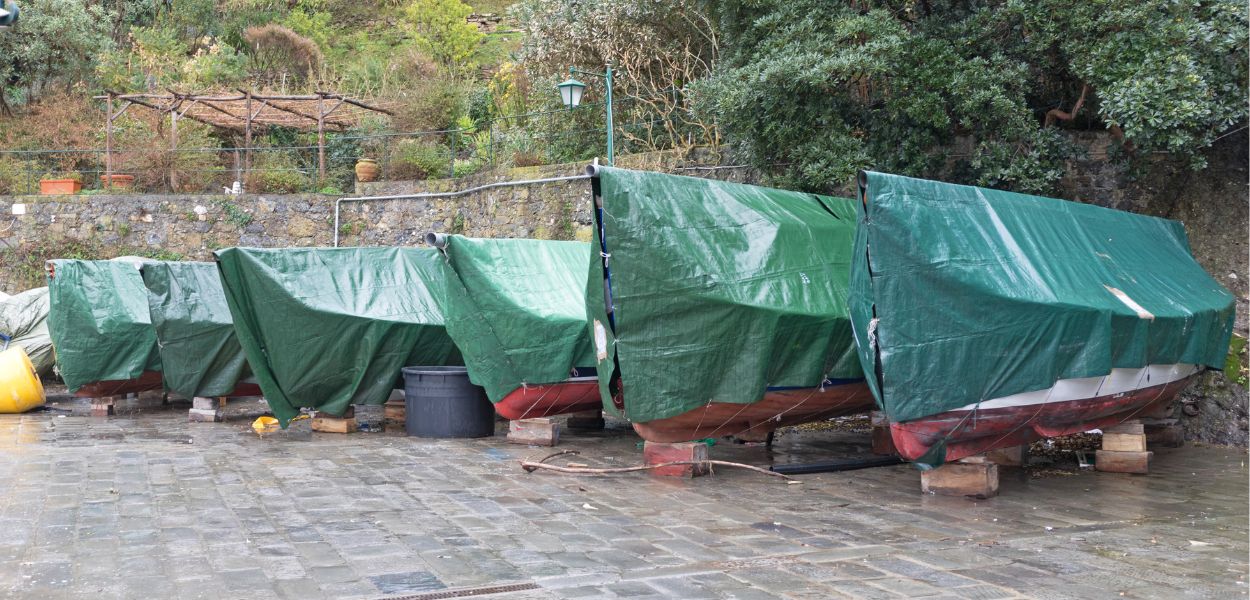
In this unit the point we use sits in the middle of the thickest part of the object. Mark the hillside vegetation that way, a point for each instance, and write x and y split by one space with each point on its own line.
807 91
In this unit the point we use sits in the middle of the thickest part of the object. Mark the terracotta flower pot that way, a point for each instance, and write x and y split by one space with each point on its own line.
52 187
367 170
117 182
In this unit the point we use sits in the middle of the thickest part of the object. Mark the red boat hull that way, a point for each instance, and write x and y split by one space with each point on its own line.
546 400
244 390
1017 425
148 381
755 421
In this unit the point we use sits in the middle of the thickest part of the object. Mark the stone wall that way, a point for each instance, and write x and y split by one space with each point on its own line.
193 226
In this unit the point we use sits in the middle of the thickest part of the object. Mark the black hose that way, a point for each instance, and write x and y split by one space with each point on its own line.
831 466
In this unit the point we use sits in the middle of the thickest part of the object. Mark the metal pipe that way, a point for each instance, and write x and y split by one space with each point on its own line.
437 240
837 465
421 196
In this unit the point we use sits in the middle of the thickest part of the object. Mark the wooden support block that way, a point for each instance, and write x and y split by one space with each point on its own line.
1015 456
202 403
589 420
977 479
103 406
655 453
394 411
538 432
393 416
878 419
883 441
1124 442
206 410
199 415
1122 462
1167 436
327 424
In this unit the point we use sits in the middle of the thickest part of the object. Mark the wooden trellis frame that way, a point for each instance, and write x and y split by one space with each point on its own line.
245 111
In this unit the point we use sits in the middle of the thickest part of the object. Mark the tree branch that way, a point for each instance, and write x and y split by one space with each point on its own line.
1056 114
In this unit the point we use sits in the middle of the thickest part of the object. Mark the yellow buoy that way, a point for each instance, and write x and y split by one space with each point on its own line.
20 388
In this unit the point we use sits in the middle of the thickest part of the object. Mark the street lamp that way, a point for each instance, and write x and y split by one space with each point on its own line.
571 95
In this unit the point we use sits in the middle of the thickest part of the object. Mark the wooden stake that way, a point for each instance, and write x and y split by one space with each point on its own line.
108 143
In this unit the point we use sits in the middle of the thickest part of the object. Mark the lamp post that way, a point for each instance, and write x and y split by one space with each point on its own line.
571 94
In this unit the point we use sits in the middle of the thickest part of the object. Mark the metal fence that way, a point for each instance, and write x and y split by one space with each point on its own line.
536 138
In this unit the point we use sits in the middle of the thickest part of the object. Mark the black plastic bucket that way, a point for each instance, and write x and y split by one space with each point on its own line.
439 402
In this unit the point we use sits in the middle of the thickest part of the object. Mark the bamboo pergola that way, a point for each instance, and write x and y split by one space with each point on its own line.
244 111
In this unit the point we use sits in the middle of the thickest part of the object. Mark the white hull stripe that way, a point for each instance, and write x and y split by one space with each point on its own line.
1120 381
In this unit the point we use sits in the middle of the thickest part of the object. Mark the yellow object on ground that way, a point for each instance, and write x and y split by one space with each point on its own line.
20 388
264 425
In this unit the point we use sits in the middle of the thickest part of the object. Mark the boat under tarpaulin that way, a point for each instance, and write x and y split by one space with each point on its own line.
200 354
991 318
719 308
24 320
326 328
516 309
100 327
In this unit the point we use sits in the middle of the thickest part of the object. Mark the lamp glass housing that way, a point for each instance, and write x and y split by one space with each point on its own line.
571 92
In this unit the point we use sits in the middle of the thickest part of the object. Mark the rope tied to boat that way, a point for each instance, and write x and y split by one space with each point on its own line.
530 466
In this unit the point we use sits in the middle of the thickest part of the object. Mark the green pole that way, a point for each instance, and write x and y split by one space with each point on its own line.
609 112
607 76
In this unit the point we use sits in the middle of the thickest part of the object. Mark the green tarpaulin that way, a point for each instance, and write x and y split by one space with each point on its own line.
517 310
24 319
962 294
200 354
99 321
720 291
329 327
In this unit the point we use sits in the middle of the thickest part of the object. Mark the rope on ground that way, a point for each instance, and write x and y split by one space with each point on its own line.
531 466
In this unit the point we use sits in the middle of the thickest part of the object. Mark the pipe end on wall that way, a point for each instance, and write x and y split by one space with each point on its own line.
437 240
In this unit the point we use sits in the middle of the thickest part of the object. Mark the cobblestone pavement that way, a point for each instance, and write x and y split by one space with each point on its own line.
146 505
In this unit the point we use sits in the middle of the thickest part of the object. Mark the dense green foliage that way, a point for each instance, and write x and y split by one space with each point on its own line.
57 41
809 91
973 92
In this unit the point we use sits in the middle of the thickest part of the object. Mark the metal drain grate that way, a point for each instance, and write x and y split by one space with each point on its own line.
485 590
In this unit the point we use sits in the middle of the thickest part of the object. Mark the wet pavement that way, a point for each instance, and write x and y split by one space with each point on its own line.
146 505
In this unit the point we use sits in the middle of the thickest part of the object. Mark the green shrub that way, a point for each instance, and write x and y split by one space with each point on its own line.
418 159
19 177
276 182
464 168
274 173
435 104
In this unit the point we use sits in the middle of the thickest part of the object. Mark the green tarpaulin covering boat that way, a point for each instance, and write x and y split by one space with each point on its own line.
990 318
24 320
720 308
326 328
200 354
516 309
100 326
